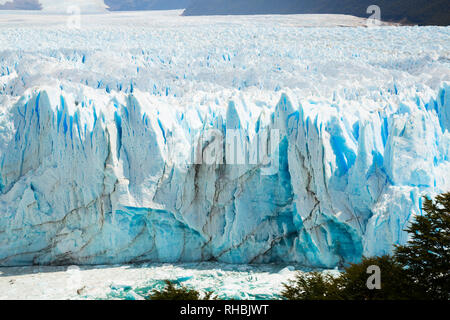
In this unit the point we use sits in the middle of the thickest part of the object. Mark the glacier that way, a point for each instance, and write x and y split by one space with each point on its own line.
99 125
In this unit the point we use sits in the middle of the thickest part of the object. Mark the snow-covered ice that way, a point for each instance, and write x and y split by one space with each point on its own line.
97 127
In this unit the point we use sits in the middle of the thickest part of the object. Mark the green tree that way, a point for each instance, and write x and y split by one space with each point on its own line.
427 254
173 292
396 284
312 286
351 284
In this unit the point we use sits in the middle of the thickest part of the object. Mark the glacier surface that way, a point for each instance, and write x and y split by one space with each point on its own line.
98 126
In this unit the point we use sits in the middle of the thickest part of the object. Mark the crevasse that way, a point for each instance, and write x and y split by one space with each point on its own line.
111 180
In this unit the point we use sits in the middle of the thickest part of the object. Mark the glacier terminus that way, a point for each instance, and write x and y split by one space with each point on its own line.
102 127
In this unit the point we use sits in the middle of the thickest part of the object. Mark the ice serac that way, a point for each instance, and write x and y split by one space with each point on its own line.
111 180
110 139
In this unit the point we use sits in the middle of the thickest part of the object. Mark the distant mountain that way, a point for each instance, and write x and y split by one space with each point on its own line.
132 5
422 12
114 5
21 5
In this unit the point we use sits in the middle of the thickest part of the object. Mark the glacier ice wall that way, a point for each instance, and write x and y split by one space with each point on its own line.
96 166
